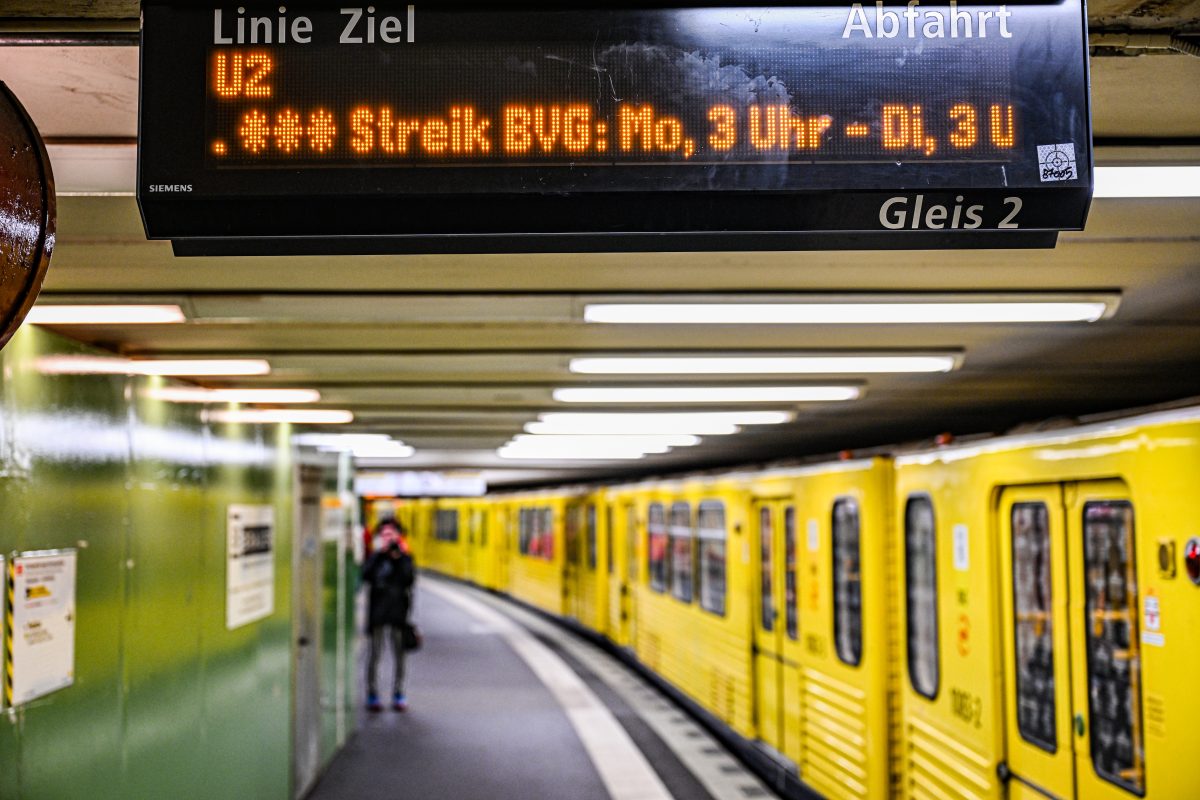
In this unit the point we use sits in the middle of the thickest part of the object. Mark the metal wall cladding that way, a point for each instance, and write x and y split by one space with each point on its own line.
166 701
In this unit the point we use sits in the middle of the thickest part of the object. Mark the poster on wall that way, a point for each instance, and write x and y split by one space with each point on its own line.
41 628
250 565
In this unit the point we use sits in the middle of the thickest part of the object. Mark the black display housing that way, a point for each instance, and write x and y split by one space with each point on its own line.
681 61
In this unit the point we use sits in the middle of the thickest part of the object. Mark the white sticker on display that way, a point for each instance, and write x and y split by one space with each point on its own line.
1154 639
250 565
42 628
962 548
814 536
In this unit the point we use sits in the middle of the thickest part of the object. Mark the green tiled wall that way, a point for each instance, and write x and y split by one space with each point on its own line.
166 701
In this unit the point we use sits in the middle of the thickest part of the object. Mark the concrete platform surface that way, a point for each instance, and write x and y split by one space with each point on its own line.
503 705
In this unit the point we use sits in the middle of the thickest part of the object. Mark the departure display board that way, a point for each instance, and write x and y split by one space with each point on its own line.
463 127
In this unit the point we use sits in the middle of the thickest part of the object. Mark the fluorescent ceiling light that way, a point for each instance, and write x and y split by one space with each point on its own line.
571 454
198 366
873 313
115 365
191 394
648 442
82 365
706 394
1158 181
49 314
762 365
706 423
295 416
630 427
382 450
343 441
360 445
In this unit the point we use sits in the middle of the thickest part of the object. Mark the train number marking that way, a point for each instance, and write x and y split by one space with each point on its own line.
815 644
967 707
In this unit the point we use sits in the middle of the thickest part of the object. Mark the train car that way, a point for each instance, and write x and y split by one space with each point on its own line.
822 634
692 624
1011 617
1049 626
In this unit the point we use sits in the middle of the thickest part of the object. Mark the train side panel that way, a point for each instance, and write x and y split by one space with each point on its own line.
1063 614
846 656
693 614
536 566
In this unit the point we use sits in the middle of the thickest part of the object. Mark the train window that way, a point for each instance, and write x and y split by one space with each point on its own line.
1033 624
920 567
631 539
524 530
535 532
1113 657
608 537
571 538
545 528
765 568
791 594
590 535
710 524
847 581
483 527
681 551
445 525
656 526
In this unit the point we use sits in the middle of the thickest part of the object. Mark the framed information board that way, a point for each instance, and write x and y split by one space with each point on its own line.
392 127
249 564
41 629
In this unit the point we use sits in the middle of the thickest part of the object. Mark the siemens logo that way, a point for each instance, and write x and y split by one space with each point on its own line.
170 187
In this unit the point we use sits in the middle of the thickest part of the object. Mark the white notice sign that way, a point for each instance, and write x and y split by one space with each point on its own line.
43 624
250 565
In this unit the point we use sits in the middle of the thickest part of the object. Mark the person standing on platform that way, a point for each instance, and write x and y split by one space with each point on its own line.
389 575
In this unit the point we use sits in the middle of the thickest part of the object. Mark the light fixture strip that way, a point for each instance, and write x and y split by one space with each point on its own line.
764 365
123 314
273 416
196 367
1147 181
192 394
706 394
888 310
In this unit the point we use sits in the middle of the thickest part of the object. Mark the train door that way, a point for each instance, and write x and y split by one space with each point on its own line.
617 619
769 622
506 535
469 551
479 555
572 571
632 575
1073 717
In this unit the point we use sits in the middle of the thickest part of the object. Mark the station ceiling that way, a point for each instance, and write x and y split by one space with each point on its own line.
454 354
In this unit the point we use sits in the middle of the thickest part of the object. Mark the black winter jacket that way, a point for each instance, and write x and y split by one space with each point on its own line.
389 580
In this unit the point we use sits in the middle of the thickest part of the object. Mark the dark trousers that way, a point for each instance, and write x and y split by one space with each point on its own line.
379 637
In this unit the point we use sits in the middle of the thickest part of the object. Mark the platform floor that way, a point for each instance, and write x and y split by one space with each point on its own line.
504 705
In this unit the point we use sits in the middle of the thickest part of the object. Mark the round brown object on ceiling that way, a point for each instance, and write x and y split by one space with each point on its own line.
26 213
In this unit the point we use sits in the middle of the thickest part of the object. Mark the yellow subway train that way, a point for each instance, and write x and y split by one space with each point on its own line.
1017 616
